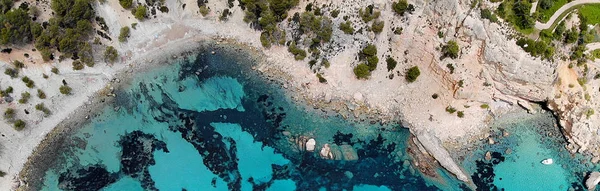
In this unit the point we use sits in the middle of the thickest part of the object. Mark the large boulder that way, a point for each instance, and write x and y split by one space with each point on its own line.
592 180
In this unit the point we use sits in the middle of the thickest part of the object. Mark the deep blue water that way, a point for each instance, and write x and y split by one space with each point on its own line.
226 128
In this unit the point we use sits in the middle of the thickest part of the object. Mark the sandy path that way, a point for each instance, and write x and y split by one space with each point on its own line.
592 46
541 26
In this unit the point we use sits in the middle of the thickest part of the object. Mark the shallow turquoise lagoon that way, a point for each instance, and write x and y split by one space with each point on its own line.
226 128
209 122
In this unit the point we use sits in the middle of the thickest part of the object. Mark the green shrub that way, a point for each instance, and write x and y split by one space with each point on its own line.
140 12
372 62
451 49
13 73
19 125
24 97
484 106
400 6
204 10
581 81
9 114
2 173
450 109
111 54
18 64
587 97
321 79
391 63
224 15
126 4
487 14
77 65
412 74
9 90
368 14
362 71
44 76
28 82
325 62
54 70
450 67
124 34
460 114
64 89
43 108
41 94
46 54
435 96
589 112
347 27
335 13
369 50
299 54
377 26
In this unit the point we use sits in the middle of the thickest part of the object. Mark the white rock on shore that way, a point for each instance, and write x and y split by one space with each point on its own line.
592 180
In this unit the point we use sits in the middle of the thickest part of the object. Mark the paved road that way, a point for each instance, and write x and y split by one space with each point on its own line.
562 9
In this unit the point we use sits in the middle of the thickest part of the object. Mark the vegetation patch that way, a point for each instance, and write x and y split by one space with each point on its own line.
412 74
391 63
124 34
591 12
536 48
547 8
451 50
516 12
362 71
65 89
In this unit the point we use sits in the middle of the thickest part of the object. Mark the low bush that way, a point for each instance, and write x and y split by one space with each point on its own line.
450 109
77 65
41 94
460 114
124 34
451 49
391 63
111 54
64 89
24 97
346 27
362 71
412 74
377 26
19 125
13 73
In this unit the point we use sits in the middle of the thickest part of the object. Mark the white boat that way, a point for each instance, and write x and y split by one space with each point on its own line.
547 161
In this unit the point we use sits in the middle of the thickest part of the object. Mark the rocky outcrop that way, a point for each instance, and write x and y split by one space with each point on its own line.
592 180
513 71
335 152
434 147
310 145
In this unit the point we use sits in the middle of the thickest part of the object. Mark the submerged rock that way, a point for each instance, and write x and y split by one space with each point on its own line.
94 177
326 152
310 145
349 153
592 180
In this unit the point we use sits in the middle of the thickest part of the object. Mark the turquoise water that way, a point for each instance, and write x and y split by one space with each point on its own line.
226 128
516 158
208 122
